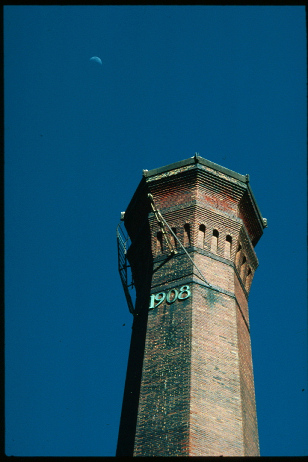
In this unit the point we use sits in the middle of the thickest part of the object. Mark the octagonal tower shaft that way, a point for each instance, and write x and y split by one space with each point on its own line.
189 386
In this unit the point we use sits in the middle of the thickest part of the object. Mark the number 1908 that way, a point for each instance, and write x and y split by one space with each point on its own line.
171 296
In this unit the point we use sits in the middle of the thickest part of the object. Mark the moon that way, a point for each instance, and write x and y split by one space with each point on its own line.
96 59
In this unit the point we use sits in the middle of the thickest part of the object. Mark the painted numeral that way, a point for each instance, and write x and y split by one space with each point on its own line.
171 296
159 298
152 297
183 290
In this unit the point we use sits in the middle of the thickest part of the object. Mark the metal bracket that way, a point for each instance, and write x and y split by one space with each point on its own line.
122 242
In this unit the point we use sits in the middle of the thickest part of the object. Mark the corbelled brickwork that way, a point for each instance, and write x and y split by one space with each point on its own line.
189 389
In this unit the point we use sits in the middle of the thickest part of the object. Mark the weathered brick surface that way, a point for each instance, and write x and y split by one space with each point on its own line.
215 402
249 415
195 389
163 413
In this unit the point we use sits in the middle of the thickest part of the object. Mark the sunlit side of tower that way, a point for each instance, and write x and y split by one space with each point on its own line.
189 387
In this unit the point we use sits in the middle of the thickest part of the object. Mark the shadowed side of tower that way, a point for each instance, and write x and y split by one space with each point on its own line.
189 388
141 261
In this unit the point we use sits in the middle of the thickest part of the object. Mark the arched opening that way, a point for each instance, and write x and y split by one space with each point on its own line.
238 256
243 269
248 279
159 242
174 241
187 234
214 243
228 245
201 236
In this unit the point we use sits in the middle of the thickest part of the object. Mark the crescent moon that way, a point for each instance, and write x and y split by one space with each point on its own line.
96 59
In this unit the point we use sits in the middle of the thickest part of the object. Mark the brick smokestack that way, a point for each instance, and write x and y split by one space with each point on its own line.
189 387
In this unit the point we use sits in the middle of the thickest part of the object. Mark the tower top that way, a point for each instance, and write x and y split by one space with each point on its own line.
217 178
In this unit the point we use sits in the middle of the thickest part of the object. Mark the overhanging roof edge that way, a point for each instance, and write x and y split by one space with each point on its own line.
191 161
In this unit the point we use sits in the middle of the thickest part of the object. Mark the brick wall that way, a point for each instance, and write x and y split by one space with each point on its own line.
163 413
215 408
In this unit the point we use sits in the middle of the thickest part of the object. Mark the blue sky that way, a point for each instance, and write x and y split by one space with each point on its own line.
226 81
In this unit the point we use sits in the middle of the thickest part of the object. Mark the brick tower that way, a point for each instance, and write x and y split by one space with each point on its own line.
189 387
